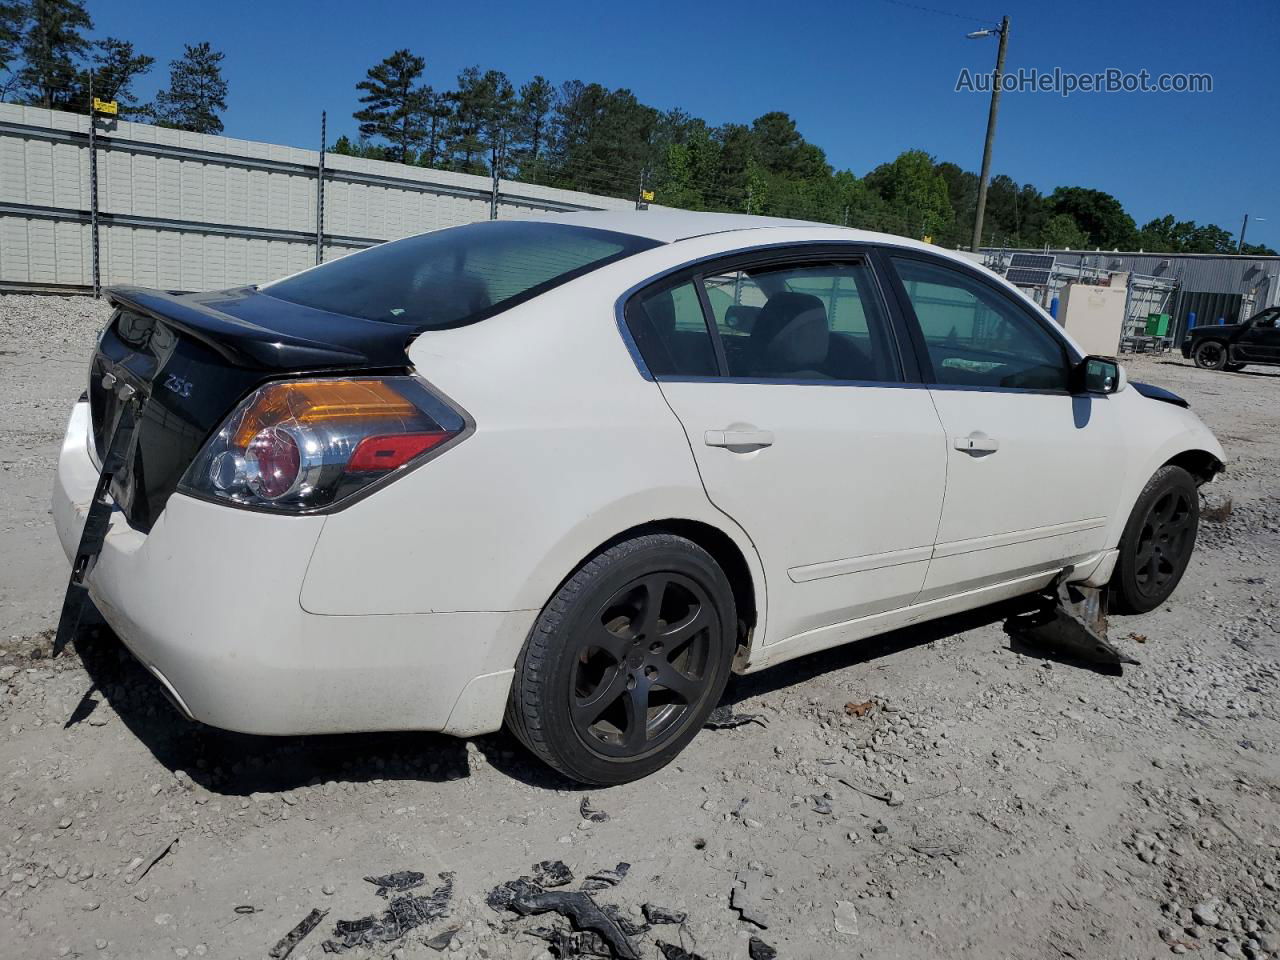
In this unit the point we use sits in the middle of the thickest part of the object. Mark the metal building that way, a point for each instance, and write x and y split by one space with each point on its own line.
1196 288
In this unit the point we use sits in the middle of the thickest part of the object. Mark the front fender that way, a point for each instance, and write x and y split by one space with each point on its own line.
1177 431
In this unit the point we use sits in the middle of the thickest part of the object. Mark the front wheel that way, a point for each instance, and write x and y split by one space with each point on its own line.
1211 355
1157 541
626 661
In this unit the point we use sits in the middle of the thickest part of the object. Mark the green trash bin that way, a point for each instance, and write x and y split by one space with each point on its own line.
1158 325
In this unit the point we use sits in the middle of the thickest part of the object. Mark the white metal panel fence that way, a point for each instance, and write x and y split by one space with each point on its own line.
189 211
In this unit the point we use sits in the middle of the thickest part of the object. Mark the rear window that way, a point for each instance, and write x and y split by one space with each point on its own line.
457 276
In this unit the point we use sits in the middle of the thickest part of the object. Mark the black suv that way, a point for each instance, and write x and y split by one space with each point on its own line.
1230 346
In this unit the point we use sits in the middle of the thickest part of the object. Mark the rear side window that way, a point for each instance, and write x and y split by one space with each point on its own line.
671 333
453 277
976 338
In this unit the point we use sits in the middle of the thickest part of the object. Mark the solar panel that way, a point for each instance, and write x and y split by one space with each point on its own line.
1040 261
1027 277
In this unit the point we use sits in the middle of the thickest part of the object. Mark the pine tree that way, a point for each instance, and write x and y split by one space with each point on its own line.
114 67
51 46
532 121
397 107
13 19
197 91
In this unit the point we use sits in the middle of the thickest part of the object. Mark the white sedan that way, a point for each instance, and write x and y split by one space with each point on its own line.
569 473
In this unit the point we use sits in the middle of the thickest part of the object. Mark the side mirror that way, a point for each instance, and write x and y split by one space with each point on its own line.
1100 375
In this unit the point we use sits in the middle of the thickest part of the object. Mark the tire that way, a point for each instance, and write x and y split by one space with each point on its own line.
600 650
1157 542
1233 367
1210 355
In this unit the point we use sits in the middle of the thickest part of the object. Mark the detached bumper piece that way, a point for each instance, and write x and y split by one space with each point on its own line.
1073 622
96 524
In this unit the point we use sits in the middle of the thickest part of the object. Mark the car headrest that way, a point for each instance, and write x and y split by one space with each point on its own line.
661 311
792 332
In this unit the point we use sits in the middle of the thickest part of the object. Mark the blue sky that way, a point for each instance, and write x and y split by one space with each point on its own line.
865 79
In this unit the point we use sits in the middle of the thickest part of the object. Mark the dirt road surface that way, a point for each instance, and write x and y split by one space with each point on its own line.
1032 807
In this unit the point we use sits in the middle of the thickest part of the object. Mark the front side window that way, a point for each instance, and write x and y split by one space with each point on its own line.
453 277
977 338
802 321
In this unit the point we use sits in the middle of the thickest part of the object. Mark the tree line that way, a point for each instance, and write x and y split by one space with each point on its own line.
584 136
47 60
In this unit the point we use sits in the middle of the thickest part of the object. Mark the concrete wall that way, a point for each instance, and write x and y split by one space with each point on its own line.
188 211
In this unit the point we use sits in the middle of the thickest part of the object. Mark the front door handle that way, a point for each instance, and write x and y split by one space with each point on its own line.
976 443
738 438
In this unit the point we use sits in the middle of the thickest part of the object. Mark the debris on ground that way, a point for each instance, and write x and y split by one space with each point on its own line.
552 873
745 897
1073 621
1217 512
590 813
670 951
402 915
568 945
893 798
845 916
160 853
526 898
625 923
656 914
723 718
603 879
285 945
397 882
859 710
442 940
757 949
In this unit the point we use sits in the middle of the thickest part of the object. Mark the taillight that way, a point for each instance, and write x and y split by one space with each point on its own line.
299 445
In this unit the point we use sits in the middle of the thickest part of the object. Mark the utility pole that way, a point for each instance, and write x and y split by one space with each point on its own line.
1003 31
93 191
497 156
1244 226
320 192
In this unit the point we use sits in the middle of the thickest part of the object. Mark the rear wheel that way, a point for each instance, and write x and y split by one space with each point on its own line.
625 661
1211 355
1157 541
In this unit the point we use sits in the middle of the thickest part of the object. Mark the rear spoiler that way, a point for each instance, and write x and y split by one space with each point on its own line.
250 329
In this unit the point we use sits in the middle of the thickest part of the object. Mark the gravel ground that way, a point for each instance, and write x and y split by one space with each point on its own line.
972 801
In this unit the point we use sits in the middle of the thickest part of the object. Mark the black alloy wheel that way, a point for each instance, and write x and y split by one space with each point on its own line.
1158 541
642 667
626 660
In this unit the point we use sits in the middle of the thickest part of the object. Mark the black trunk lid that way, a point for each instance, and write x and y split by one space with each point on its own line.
193 357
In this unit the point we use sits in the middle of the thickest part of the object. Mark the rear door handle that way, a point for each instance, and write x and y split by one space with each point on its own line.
738 438
976 443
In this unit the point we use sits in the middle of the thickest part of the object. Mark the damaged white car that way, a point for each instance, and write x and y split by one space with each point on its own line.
568 474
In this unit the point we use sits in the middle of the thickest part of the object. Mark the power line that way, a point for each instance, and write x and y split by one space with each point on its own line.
941 13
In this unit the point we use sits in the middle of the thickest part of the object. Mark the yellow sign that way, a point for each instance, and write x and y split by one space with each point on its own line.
105 106
646 196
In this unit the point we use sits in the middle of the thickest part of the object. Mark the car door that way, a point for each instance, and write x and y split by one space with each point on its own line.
1031 476
1260 340
787 376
